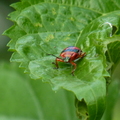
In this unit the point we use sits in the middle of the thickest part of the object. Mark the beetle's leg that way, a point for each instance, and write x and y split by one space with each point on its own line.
56 62
83 54
74 64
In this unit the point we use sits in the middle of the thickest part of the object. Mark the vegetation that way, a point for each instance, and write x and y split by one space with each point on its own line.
44 27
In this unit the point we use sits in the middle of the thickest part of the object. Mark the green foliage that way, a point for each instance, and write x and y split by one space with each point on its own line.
26 99
48 26
112 99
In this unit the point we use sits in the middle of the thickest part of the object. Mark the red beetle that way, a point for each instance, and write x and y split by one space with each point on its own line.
69 55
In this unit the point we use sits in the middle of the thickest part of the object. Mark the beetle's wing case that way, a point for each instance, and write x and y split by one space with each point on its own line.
71 49
70 53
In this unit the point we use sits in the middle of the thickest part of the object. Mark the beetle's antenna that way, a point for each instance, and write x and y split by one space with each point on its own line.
53 55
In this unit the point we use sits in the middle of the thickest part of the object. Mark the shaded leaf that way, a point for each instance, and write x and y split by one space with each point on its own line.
112 98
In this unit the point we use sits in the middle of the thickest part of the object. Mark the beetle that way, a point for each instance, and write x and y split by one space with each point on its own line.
69 55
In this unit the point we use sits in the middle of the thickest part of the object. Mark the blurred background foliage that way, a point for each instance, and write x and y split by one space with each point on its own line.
5 9
113 98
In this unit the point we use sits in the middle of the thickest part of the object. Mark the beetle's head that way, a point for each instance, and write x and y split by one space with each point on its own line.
66 59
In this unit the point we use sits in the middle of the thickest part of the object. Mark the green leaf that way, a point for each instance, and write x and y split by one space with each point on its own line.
43 27
114 50
25 99
112 98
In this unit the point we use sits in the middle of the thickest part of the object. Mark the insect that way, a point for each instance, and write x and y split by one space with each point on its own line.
69 55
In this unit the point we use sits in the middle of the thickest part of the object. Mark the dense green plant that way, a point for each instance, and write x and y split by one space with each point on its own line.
48 26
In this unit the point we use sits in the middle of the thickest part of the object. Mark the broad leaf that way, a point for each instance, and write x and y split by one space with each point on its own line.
48 26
